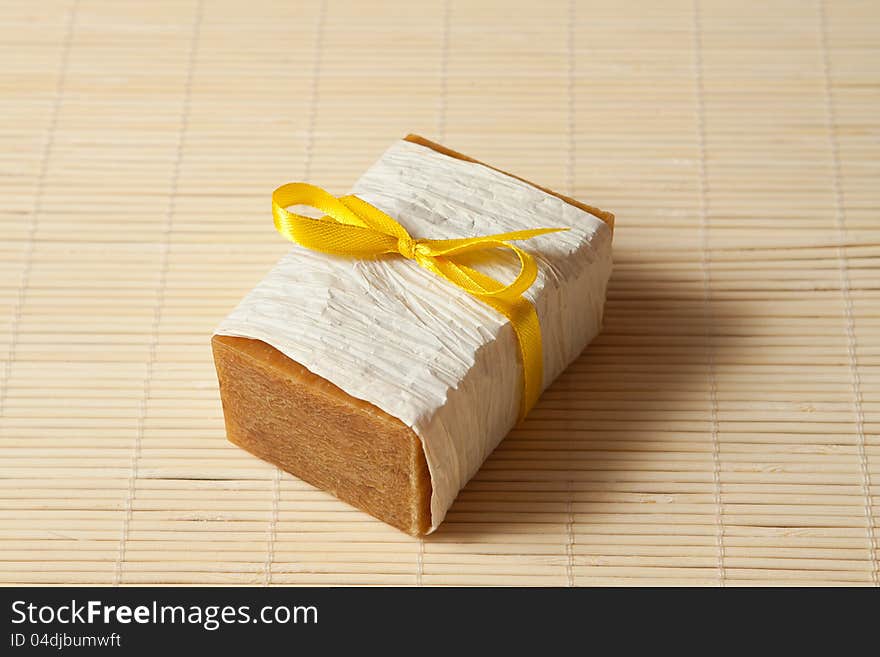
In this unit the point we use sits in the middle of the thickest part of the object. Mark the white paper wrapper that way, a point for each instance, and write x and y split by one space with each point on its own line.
399 337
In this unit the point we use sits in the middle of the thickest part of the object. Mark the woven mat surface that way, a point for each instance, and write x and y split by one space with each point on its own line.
724 427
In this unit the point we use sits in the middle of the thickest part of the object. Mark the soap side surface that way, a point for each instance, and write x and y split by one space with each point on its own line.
278 410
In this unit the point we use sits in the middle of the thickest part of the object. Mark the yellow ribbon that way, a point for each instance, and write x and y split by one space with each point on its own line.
353 227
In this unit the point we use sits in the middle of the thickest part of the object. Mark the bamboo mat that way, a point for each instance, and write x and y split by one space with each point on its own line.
722 430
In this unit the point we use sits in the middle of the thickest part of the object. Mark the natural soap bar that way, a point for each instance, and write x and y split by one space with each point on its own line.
383 383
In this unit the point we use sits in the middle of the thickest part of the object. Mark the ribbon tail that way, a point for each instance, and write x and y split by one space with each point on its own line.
524 321
453 246
523 318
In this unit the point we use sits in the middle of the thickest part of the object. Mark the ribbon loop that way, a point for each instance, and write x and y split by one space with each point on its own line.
352 227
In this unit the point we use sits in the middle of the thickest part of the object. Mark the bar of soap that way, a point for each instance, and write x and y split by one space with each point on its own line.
382 383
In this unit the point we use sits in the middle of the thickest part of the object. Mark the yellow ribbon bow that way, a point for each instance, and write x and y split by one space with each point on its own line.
353 227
